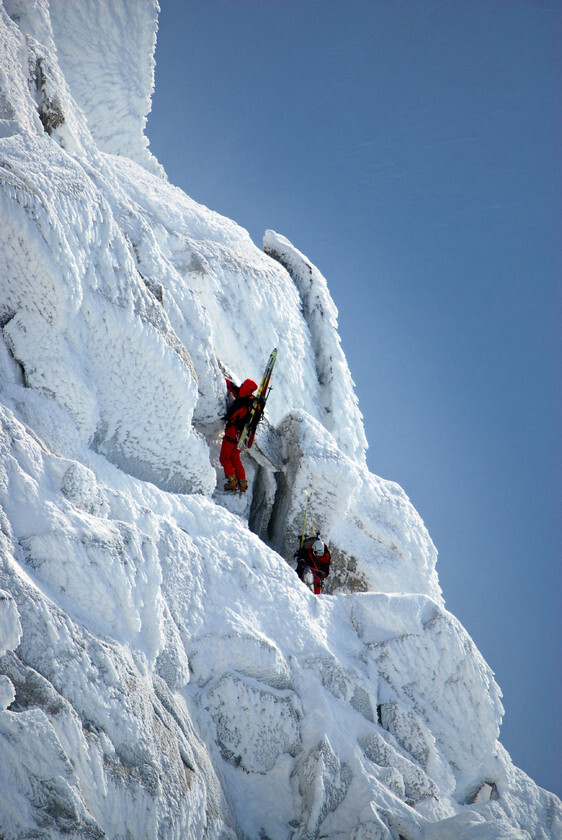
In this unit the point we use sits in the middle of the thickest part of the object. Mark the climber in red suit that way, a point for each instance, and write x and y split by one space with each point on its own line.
236 417
313 563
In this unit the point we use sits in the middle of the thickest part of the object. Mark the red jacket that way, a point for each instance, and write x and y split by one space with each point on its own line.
237 414
320 566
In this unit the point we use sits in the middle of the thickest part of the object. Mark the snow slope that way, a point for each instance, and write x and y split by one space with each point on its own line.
163 672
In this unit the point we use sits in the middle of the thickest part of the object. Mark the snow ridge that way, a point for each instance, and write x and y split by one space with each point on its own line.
339 403
163 671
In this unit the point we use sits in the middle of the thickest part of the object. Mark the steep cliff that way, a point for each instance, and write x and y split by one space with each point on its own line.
163 671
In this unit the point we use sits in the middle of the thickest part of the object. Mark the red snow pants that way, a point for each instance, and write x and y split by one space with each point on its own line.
230 459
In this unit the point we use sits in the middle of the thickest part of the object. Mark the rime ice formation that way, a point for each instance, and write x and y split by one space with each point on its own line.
163 672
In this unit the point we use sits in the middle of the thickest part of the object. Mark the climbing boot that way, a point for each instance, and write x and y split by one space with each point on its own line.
242 485
231 483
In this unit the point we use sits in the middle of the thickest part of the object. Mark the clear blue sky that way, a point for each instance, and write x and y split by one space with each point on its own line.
411 149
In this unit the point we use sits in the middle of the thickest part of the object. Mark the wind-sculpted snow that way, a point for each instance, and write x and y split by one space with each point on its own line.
377 539
10 637
341 410
107 60
164 674
200 635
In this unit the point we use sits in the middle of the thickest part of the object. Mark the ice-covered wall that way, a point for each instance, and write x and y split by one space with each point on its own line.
173 680
106 53
163 672
340 407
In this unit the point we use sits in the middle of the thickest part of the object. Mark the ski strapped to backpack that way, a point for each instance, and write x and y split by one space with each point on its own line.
258 405
308 494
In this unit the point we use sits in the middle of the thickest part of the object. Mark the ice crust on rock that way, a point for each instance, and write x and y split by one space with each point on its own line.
377 539
163 672
340 408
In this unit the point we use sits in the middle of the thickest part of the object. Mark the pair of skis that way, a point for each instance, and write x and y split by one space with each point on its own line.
258 405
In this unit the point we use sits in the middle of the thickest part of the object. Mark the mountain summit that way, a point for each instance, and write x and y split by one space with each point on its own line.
164 673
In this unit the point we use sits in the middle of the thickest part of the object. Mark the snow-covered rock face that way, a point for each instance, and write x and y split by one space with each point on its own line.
163 672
